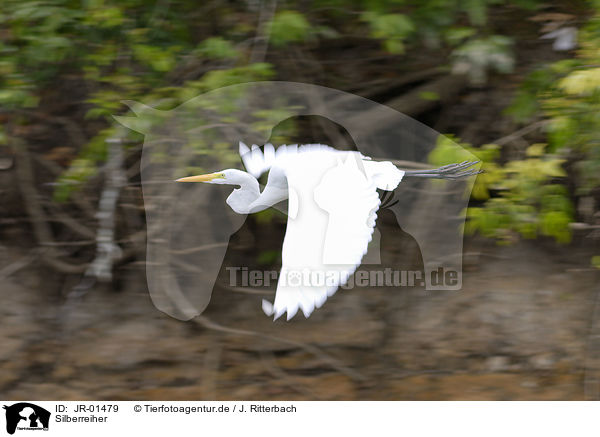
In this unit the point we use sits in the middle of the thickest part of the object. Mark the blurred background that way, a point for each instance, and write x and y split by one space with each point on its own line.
516 83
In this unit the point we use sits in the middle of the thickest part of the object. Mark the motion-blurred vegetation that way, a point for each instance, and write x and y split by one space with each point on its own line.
532 193
164 52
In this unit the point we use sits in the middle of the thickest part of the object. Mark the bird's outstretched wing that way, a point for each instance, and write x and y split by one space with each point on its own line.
331 217
257 161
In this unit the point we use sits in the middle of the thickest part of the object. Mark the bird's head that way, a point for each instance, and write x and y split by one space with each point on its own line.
230 176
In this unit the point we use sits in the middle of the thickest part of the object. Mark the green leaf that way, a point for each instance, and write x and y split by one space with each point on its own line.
457 35
556 224
288 27
393 29
535 149
217 48
581 81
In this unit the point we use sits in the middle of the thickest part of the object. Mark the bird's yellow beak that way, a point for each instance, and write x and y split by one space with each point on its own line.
202 178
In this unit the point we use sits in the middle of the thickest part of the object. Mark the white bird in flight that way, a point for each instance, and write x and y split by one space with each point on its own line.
332 205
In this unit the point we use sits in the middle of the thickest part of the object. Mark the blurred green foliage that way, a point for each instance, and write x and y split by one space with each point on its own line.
217 48
288 27
521 197
393 29
566 96
167 52
532 194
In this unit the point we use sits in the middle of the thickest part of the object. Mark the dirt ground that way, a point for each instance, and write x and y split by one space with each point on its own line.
522 328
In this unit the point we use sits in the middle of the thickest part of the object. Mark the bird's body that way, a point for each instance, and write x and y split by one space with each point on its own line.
332 209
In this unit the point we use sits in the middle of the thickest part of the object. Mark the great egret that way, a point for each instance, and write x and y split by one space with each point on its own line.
332 206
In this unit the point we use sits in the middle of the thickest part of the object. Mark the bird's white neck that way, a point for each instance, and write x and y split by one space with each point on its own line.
241 198
248 199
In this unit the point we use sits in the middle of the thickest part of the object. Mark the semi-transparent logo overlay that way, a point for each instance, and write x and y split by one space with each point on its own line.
189 225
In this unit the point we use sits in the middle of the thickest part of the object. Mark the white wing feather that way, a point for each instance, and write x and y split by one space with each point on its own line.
335 203
257 161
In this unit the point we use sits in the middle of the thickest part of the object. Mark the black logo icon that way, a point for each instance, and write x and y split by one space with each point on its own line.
26 416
